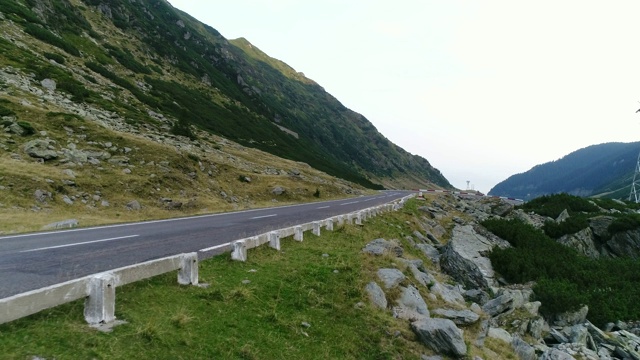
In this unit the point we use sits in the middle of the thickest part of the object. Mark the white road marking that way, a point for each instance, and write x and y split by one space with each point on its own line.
323 207
349 203
214 247
263 216
82 243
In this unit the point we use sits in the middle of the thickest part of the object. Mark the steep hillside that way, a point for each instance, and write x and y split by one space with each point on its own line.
148 61
598 170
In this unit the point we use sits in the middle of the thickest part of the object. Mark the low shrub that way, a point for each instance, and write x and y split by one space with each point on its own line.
50 38
564 279
624 223
55 57
571 225
28 129
553 205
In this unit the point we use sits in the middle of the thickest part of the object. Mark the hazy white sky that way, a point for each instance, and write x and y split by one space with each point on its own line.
483 89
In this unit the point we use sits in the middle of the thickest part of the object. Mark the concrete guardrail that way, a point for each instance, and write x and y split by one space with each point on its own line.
99 290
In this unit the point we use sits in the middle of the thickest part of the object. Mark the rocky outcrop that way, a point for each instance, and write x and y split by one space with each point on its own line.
40 149
532 219
625 243
475 301
583 242
600 226
465 257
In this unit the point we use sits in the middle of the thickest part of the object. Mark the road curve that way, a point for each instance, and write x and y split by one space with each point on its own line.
32 261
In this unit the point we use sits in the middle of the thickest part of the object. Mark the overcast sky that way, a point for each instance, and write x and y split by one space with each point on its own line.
483 89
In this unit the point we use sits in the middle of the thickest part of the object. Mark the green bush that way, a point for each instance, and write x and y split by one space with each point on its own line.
48 37
28 129
127 60
55 57
553 205
5 111
558 296
566 280
182 128
571 225
624 223
21 12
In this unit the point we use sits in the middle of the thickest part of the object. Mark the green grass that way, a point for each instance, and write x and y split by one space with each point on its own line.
231 320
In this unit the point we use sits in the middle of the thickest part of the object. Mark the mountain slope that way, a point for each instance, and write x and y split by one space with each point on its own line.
144 58
598 170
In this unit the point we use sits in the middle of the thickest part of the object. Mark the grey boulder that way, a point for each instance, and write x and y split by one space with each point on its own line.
441 336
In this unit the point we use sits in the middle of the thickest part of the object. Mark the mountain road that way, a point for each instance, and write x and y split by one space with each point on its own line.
35 260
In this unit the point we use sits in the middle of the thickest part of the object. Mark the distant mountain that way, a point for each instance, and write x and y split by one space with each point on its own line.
146 60
599 170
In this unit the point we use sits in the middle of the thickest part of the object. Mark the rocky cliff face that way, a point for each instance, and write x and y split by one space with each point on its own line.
465 296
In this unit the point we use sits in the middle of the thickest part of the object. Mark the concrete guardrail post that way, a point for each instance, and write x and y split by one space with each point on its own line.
274 240
316 228
239 250
359 218
329 224
298 234
100 304
188 272
340 220
350 219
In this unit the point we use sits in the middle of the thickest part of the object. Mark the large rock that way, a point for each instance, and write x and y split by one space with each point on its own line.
625 244
424 278
71 223
376 295
555 354
583 242
459 317
564 215
48 84
600 226
448 293
390 277
500 334
40 149
524 350
75 155
477 296
133 205
42 196
532 219
441 336
464 257
381 246
430 252
278 190
411 305
499 305
571 318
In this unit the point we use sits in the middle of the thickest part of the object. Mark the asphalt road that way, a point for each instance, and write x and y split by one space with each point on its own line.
33 261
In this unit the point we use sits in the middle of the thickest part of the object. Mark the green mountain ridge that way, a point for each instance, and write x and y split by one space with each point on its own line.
135 58
603 170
